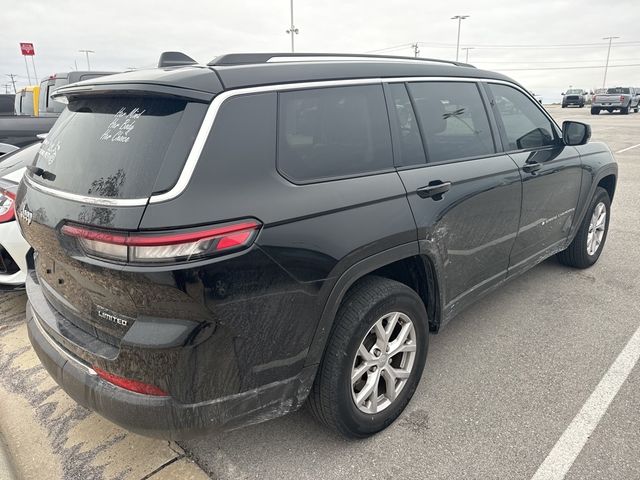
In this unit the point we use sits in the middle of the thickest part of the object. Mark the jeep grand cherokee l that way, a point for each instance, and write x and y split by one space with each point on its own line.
217 244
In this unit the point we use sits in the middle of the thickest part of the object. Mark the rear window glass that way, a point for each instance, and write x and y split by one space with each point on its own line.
333 132
618 90
110 146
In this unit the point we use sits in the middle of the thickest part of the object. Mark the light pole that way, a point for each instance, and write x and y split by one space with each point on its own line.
292 30
606 65
459 18
416 49
87 52
466 58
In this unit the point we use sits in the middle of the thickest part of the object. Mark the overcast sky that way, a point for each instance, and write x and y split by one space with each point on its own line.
132 34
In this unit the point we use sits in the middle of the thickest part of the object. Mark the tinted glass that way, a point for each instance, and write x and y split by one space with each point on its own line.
618 90
410 150
110 146
333 132
525 126
452 119
574 91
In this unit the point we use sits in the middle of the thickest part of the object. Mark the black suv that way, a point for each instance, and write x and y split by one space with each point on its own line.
216 245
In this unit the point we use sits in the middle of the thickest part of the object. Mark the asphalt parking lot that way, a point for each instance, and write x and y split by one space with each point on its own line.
505 382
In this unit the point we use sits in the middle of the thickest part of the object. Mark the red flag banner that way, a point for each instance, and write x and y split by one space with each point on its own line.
27 49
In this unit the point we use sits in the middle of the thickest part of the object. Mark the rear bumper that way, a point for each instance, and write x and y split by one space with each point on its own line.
573 102
613 105
162 417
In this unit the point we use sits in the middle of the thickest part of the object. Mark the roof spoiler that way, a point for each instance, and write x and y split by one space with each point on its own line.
175 59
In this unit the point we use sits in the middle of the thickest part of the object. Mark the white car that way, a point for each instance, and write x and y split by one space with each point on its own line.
14 249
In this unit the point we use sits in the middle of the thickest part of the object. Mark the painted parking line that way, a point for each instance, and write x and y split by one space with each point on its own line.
628 148
574 438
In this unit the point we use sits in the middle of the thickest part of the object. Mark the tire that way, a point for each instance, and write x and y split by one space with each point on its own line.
595 111
624 110
564 106
579 254
333 396
582 105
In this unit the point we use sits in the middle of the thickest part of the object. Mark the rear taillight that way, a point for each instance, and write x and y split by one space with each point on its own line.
7 206
131 385
593 99
622 98
161 247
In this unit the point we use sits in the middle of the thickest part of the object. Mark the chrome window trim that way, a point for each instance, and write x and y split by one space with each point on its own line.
209 120
210 116
104 202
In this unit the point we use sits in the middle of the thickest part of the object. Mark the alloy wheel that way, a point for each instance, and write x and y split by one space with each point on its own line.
596 228
383 363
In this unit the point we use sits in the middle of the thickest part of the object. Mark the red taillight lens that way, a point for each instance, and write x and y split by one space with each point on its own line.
7 206
621 98
131 385
164 247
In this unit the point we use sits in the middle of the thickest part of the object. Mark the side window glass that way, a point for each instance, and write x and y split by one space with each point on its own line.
453 120
525 126
333 132
410 150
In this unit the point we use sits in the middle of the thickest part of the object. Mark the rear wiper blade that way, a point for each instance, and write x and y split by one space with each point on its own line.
41 172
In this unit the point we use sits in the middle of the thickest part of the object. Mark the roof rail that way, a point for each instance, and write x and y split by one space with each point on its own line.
251 58
175 59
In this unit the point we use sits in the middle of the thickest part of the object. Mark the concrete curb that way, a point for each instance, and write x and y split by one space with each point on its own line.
49 436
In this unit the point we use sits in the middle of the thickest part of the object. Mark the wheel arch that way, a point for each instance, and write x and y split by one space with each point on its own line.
404 264
608 182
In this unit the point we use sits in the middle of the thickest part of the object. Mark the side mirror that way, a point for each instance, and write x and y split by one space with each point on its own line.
575 133
562 93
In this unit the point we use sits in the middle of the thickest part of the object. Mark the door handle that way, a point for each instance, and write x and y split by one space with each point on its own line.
531 167
434 190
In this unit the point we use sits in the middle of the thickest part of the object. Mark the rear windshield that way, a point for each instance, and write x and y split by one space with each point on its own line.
574 91
618 90
110 146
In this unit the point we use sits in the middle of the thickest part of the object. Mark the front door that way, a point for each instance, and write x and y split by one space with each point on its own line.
465 196
551 174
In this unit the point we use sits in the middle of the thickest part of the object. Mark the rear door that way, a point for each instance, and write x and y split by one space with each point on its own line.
551 174
465 196
102 160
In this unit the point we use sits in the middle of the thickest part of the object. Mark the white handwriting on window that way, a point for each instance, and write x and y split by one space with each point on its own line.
121 126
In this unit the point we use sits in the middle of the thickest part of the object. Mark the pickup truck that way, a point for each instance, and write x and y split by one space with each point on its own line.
47 106
21 130
574 96
617 98
26 101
